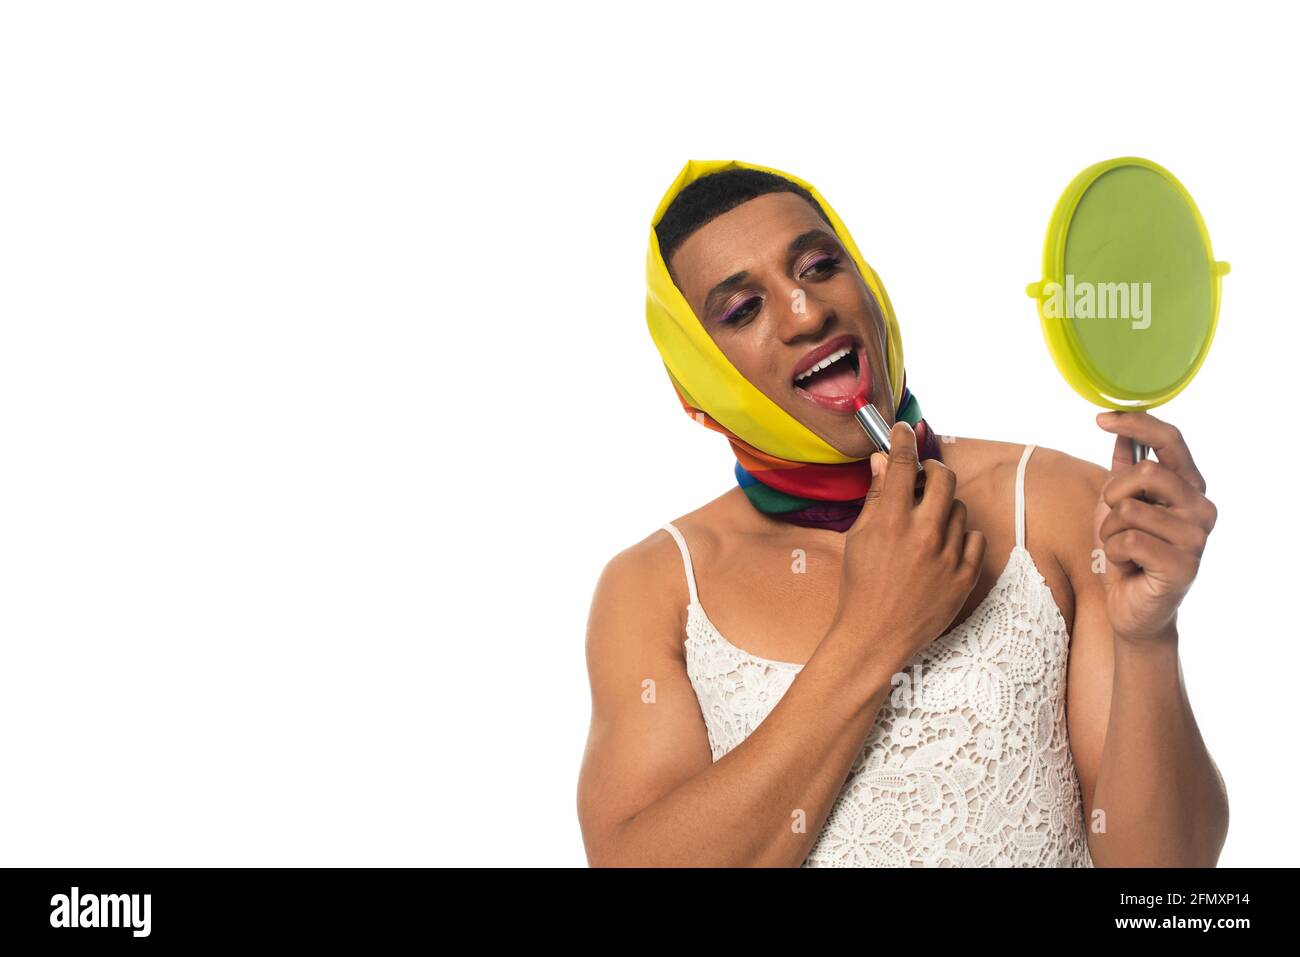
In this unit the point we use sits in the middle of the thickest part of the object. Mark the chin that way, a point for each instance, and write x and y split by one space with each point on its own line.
857 446
845 436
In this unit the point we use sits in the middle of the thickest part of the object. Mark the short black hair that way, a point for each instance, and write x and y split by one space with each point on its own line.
712 195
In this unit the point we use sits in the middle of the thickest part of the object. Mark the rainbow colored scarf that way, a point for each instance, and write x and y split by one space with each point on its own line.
785 469
818 496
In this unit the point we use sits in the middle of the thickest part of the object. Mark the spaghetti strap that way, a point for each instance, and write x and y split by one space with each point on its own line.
1020 496
686 559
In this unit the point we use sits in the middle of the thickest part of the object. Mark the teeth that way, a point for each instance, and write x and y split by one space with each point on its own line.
833 357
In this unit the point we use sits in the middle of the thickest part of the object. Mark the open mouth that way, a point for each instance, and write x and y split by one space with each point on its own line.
838 379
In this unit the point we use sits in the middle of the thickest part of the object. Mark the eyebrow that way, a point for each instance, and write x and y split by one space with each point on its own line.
797 245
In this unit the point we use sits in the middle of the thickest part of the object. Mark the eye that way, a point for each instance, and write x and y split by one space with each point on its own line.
746 309
822 264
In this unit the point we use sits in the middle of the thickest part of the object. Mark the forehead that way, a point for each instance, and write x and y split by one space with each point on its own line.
755 232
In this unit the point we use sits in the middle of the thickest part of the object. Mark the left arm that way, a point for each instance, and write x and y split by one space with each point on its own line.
1152 794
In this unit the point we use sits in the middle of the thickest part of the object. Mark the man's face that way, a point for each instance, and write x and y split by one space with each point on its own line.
774 287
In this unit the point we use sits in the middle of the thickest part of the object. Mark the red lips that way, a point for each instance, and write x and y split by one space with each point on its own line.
835 389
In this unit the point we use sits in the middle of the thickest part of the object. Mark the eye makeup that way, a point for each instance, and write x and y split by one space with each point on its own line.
729 314
829 262
825 259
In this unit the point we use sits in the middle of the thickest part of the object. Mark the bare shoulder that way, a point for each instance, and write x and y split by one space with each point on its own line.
637 596
642 590
984 467
1066 480
1057 479
1062 492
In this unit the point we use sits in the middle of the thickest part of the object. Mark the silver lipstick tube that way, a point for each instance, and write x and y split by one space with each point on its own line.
877 429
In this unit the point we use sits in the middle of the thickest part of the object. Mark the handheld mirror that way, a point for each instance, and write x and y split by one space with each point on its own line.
1129 298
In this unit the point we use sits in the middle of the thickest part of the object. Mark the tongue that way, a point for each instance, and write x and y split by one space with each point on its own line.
835 380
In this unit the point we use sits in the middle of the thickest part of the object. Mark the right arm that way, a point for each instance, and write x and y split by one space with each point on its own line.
649 793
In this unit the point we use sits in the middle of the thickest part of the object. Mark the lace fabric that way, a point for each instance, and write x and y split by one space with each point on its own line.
967 764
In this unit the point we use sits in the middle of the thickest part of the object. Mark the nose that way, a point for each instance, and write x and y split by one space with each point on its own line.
804 314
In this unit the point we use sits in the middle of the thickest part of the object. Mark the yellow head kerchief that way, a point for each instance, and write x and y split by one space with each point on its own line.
707 379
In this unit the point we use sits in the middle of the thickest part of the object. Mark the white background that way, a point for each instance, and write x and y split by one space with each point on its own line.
326 391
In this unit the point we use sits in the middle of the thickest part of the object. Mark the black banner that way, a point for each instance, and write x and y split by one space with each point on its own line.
366 907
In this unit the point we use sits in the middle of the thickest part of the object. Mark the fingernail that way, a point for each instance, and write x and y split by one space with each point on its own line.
875 463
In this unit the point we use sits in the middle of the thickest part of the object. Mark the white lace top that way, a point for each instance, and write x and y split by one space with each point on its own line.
968 763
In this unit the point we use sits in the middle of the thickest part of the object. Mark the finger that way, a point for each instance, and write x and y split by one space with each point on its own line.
1121 457
972 557
900 477
1160 522
954 540
1152 481
1153 555
936 498
1165 439
879 466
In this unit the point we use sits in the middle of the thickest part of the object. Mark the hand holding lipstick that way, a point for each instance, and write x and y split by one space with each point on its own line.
909 562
